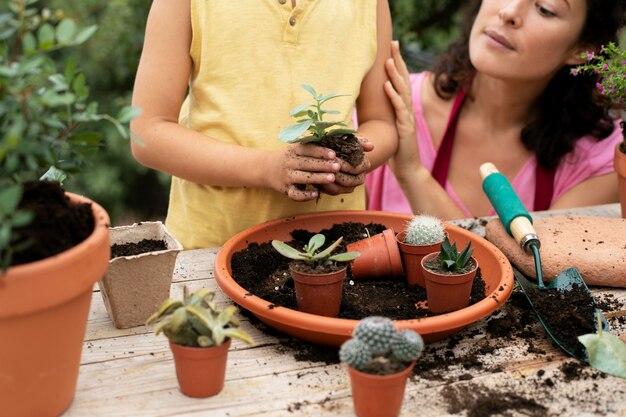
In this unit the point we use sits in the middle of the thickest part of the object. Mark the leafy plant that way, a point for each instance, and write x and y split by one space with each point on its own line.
376 342
310 118
451 260
45 111
311 255
196 321
606 352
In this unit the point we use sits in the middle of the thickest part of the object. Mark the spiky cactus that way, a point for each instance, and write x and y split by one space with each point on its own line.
375 340
424 230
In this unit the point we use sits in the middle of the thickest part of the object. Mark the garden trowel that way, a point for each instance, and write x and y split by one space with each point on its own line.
569 283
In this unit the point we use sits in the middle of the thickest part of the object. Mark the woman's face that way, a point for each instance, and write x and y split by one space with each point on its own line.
526 39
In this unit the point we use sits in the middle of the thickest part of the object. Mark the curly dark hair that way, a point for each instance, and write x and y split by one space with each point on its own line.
570 107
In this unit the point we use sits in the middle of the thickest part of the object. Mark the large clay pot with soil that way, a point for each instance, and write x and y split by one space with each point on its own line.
378 396
447 292
44 306
318 293
412 257
140 276
380 256
200 370
619 163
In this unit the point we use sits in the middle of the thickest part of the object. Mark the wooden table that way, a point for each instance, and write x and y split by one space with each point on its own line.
131 372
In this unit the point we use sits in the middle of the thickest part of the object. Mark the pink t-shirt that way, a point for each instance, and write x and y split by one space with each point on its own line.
589 158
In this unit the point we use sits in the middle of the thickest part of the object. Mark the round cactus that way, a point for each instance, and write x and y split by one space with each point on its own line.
424 230
376 332
407 345
355 353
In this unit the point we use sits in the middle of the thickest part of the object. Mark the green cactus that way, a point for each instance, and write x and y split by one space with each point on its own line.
451 260
407 345
197 321
355 353
424 230
311 255
376 344
376 332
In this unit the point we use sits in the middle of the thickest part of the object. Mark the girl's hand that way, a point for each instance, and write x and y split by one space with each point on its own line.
299 165
349 177
398 90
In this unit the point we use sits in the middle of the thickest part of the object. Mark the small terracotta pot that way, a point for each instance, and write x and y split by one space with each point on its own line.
319 293
378 396
619 162
447 292
412 257
380 256
200 371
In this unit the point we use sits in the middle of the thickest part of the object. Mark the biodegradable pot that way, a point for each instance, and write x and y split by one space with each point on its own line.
619 162
495 269
380 256
44 307
412 257
378 396
447 292
135 286
200 370
319 293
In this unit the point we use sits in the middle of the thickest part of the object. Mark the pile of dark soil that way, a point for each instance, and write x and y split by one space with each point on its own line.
143 246
265 273
481 401
57 224
346 147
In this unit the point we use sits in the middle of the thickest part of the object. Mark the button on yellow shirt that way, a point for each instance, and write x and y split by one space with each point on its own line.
249 59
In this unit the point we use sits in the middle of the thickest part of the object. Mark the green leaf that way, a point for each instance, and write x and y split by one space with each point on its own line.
287 251
291 133
324 125
345 257
327 97
238 334
22 218
316 242
606 352
10 198
85 34
326 252
29 43
79 86
45 36
65 31
224 317
299 110
128 113
54 174
310 89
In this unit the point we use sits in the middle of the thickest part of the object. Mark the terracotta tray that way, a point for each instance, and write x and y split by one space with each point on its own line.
496 271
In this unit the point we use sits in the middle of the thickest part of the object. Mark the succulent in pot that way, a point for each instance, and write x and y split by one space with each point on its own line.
200 334
318 274
422 236
48 128
380 358
449 276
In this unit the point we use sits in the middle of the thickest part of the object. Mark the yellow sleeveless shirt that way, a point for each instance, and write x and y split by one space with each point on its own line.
249 59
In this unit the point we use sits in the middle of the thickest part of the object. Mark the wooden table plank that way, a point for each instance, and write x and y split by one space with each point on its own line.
131 373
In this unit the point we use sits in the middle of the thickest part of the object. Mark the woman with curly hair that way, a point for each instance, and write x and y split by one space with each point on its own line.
504 93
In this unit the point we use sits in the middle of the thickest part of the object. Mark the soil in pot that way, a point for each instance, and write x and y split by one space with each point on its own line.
137 248
265 273
57 224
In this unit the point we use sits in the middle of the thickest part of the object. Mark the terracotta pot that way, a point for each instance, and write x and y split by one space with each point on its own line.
447 292
135 286
44 307
495 269
380 257
319 293
412 257
619 162
200 371
378 396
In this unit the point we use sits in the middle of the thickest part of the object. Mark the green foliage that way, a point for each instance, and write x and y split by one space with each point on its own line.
197 321
610 66
310 118
46 116
376 340
424 230
311 254
451 260
606 352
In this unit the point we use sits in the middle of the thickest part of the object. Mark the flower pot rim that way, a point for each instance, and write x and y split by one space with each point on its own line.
334 331
366 375
443 276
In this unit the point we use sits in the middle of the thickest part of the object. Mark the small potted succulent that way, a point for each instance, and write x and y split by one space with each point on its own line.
199 334
422 236
609 65
449 275
380 256
318 274
143 256
380 358
311 128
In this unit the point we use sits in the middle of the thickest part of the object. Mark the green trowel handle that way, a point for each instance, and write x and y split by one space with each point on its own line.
513 215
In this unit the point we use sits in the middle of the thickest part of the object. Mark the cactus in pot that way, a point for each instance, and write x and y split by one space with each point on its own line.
422 236
380 359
